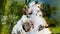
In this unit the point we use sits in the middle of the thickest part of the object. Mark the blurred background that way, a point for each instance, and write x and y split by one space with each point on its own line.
11 12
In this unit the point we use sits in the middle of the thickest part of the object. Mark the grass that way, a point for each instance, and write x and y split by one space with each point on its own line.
55 30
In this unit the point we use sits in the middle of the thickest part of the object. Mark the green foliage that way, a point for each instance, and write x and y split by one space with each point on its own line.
16 8
53 25
55 30
27 2
14 12
51 22
48 10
